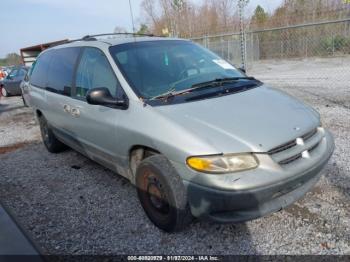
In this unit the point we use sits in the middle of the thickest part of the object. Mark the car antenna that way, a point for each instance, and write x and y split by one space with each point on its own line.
132 18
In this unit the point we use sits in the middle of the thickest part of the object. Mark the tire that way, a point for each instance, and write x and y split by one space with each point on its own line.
162 194
52 144
4 92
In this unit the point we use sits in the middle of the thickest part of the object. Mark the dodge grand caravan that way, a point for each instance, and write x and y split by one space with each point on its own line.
196 136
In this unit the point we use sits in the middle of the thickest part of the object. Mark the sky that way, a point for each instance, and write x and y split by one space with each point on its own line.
29 22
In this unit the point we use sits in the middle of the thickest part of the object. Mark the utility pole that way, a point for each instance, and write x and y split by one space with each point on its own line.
241 5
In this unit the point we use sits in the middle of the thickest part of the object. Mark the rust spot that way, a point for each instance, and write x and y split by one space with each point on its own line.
13 147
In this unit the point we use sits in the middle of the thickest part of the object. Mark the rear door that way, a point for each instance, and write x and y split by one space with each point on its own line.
58 90
95 126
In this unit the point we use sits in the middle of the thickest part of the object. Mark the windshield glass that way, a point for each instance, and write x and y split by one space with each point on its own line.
155 67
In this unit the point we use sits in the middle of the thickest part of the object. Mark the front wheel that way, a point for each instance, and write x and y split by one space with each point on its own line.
51 143
162 194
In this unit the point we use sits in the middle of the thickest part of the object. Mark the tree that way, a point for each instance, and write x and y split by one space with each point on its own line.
225 9
149 7
119 29
12 59
143 29
259 18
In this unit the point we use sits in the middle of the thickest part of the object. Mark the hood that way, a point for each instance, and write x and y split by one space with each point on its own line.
256 120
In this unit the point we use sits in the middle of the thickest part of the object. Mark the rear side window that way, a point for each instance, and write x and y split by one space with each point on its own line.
39 70
61 70
94 71
22 72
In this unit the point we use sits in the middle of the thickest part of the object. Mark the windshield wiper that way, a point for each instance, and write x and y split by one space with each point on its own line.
216 82
165 95
220 81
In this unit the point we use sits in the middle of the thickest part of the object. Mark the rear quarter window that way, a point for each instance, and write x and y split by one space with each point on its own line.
39 70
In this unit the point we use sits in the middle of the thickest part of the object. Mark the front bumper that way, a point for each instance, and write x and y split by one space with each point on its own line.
226 206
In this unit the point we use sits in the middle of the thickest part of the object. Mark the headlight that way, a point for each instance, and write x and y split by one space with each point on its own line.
223 163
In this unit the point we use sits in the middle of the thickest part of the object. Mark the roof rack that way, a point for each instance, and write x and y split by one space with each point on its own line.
93 37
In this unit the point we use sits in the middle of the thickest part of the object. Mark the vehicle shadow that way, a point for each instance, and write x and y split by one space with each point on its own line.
2 105
6 108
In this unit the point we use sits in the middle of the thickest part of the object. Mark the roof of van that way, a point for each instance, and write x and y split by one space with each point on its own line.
122 40
114 41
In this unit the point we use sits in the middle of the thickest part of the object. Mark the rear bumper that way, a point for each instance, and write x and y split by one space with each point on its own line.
228 206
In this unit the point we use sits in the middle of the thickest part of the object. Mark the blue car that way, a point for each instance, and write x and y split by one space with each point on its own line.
11 84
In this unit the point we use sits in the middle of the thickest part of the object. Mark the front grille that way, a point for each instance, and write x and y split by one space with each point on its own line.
290 159
291 151
313 147
283 147
309 134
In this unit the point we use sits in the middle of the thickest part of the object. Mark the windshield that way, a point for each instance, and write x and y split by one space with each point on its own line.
155 67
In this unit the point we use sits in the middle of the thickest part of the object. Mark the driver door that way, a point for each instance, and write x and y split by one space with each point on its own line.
11 81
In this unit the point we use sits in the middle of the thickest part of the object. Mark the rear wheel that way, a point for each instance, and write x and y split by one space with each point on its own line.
162 194
4 92
52 144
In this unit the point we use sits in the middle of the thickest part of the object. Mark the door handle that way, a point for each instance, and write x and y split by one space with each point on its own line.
67 108
75 112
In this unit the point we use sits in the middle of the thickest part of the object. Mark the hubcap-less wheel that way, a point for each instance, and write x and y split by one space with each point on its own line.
52 144
45 132
156 197
162 194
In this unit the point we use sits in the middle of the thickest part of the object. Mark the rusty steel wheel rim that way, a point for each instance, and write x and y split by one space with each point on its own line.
155 193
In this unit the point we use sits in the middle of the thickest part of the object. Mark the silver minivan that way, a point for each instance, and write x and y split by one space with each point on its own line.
195 135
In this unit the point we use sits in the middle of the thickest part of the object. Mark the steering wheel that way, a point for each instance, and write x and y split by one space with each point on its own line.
182 73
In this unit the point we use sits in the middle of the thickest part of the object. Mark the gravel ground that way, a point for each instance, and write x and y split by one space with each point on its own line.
327 78
17 123
71 205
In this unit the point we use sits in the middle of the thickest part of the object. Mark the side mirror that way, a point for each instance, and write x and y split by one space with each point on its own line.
102 96
242 69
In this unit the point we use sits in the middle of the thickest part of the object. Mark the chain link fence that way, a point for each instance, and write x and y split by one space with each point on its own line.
310 55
